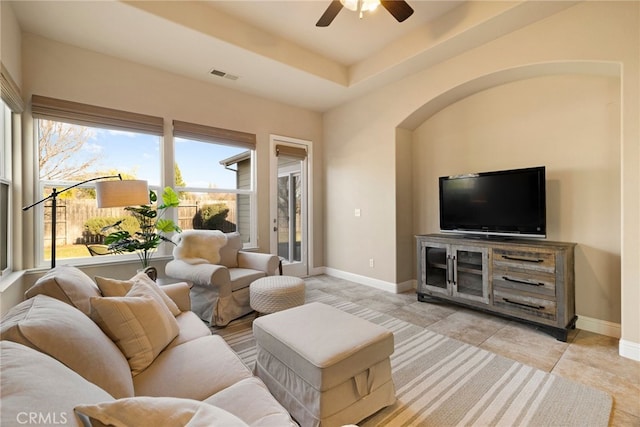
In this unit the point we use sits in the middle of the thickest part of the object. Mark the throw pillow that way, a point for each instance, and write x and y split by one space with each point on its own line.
140 324
156 411
68 284
119 288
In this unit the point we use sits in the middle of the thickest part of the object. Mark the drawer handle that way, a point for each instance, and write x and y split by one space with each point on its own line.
515 258
535 307
524 282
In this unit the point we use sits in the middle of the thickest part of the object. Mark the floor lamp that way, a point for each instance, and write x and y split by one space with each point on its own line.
109 194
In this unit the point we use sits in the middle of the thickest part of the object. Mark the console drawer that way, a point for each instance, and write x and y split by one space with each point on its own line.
533 282
522 304
524 260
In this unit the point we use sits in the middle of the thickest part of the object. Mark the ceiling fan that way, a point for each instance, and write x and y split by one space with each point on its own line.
398 8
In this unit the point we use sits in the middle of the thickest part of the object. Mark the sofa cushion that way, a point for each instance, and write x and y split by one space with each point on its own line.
34 383
229 252
68 284
158 411
193 370
119 288
251 401
139 323
64 333
191 327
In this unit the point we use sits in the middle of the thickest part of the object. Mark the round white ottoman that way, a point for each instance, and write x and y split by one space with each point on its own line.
276 293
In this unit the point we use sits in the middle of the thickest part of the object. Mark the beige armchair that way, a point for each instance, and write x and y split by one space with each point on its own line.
220 272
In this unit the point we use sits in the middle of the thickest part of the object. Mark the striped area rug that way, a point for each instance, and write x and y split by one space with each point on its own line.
444 382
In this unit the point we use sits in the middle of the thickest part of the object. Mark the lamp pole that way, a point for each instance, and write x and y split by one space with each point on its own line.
53 196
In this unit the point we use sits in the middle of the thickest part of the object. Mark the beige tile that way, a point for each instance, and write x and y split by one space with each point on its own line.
623 419
468 326
526 345
626 395
423 314
601 352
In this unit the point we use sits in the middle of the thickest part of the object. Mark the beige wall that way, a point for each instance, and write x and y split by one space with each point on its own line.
593 38
571 125
84 76
10 42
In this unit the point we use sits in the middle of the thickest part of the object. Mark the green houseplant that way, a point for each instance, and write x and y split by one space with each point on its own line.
153 227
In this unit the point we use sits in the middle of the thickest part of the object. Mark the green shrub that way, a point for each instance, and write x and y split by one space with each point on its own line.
95 225
213 217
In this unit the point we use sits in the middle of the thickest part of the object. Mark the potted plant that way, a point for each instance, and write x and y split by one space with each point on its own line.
153 228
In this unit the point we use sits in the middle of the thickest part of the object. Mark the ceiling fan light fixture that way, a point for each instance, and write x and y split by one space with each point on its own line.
361 5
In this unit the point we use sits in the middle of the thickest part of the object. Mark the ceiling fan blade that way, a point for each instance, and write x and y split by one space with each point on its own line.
329 14
398 8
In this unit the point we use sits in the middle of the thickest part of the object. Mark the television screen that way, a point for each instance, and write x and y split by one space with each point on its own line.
510 202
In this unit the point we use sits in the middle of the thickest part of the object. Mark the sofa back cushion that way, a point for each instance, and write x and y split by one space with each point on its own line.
34 383
68 284
199 246
229 252
64 333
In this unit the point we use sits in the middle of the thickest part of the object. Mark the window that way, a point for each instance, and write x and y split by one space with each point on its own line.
78 142
11 107
5 187
214 174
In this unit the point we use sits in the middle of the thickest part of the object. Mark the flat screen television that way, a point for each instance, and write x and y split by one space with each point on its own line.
498 203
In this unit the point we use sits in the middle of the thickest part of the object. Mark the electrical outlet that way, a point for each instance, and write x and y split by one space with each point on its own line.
357 212
371 262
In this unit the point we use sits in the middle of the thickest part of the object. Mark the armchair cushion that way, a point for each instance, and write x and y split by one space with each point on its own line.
229 252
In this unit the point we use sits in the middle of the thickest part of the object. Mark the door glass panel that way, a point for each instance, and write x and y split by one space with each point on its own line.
283 217
297 212
436 267
469 273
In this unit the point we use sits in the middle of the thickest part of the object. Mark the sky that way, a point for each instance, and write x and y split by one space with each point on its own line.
139 155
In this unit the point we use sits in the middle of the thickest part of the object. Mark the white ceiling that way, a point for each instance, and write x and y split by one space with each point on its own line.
274 47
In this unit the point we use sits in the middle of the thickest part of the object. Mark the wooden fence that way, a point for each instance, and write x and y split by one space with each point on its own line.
72 215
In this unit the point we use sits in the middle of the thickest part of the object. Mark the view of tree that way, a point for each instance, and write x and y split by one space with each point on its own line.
178 176
58 144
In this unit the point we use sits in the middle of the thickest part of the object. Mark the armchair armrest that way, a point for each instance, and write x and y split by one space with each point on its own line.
258 261
179 293
200 274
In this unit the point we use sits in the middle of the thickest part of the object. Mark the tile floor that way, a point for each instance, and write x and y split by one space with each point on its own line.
586 357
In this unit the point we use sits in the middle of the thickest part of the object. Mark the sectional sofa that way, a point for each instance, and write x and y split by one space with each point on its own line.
79 352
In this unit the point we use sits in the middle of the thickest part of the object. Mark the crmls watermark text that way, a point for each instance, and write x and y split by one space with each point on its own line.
35 418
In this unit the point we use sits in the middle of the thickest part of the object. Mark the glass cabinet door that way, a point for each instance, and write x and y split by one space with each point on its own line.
470 277
435 272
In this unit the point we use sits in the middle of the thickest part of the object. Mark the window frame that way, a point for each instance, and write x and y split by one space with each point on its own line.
224 137
73 113
13 107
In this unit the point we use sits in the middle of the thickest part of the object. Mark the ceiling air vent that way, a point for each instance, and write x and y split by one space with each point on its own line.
223 74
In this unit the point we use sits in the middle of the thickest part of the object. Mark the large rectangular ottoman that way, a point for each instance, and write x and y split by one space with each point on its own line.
325 366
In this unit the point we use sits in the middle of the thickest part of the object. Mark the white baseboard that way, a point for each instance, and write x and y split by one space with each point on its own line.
368 281
598 326
629 349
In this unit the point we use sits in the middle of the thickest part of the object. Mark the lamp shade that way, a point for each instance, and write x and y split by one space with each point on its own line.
118 194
